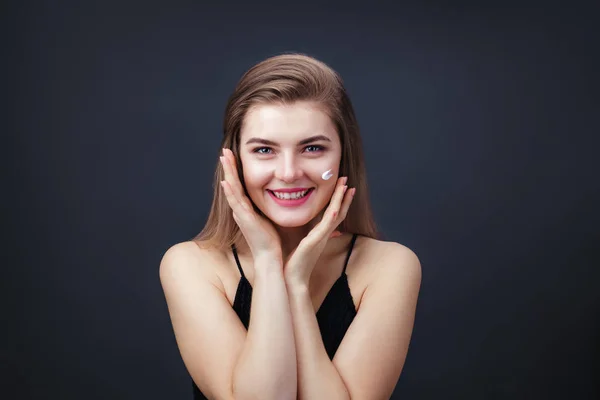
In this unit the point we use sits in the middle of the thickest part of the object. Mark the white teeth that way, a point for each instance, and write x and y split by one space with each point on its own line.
291 196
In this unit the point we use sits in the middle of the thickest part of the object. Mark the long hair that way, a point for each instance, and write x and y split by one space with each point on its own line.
285 79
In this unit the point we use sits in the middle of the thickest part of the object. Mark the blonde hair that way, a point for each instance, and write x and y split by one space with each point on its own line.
284 79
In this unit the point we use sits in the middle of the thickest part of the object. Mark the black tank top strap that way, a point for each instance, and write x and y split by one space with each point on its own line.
349 252
237 260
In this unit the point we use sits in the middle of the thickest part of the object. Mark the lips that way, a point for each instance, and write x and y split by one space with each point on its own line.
291 202
291 194
291 190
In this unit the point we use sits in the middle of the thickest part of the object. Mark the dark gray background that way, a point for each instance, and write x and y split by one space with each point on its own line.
478 125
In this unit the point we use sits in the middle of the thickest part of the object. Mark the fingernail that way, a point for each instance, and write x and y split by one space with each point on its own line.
345 188
353 192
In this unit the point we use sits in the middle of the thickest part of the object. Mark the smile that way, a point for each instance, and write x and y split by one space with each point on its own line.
292 195
291 199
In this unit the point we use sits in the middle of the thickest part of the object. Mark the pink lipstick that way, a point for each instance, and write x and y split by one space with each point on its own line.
291 202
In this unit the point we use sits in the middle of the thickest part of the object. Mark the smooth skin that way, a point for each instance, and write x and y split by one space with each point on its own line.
282 355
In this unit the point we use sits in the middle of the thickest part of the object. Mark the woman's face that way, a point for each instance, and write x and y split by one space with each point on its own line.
286 147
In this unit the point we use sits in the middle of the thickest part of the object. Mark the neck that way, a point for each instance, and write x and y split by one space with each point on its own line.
291 238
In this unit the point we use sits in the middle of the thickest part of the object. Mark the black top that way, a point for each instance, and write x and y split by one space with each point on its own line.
334 316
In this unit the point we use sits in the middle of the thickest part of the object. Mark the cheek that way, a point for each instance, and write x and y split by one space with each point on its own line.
255 176
318 169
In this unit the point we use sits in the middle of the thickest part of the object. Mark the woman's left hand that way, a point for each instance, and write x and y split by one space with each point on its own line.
300 263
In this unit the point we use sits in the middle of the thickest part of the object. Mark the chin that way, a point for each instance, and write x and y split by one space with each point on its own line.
290 221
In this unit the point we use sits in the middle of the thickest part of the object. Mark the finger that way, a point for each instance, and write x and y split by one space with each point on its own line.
348 197
228 170
238 208
234 183
327 224
233 172
336 203
341 215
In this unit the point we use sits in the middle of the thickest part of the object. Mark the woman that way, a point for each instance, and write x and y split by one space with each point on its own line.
291 242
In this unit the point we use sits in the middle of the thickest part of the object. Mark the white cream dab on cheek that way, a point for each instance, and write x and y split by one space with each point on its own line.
326 175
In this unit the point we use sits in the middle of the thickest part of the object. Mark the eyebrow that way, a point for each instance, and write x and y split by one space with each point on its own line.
300 143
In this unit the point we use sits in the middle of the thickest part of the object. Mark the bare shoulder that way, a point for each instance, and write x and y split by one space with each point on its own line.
390 260
189 261
371 356
209 334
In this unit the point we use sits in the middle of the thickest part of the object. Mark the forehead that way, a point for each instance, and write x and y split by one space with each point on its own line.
287 122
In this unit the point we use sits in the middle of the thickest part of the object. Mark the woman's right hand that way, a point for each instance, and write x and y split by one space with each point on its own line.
260 234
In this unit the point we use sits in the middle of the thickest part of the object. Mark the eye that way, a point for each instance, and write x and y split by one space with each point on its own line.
259 150
315 148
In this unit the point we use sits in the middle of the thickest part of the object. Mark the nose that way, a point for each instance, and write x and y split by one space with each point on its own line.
288 169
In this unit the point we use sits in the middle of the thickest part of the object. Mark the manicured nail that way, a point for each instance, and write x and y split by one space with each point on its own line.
345 180
353 192
345 188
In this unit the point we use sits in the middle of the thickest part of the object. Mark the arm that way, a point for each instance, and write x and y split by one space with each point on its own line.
317 376
267 364
224 360
368 363
372 354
